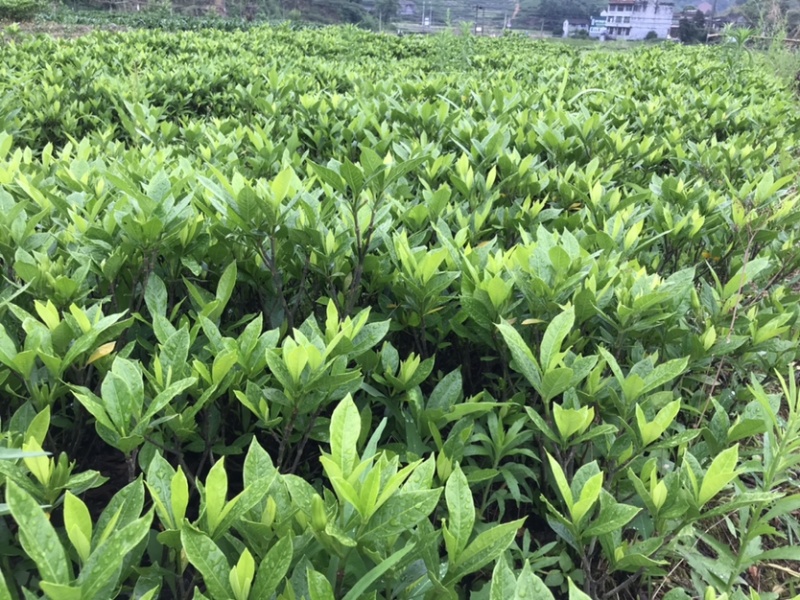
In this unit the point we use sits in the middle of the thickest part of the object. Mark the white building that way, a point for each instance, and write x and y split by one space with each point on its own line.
634 19
572 26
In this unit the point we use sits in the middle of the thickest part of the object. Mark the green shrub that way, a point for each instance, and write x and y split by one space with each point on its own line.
21 9
329 314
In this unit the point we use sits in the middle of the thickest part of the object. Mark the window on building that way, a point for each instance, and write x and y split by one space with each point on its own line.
626 20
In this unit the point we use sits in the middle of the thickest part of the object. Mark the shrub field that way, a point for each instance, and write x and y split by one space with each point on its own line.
328 314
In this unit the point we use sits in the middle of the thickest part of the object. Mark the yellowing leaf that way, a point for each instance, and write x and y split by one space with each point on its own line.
102 351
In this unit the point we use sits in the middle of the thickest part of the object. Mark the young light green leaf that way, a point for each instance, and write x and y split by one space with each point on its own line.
721 472
38 427
653 430
570 421
282 186
78 524
555 334
159 477
57 590
345 429
589 496
241 576
123 394
179 495
216 493
332 178
561 482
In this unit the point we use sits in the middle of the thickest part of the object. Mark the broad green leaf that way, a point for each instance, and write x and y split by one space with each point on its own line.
208 559
460 509
155 296
159 478
125 507
524 361
530 586
485 548
612 517
554 336
353 175
273 569
446 393
561 482
123 395
662 374
375 573
37 536
105 563
541 424
332 178
225 287
319 588
258 466
344 432
721 472
744 276
576 593
165 397
400 513
5 594
555 382
503 582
